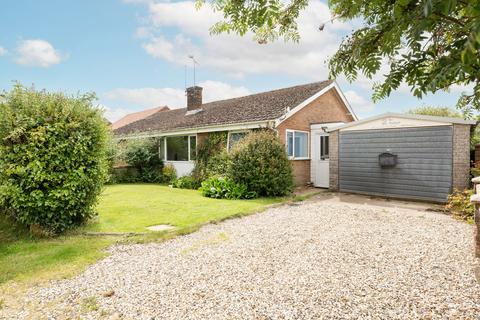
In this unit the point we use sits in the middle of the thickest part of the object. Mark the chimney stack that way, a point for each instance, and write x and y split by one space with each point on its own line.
194 98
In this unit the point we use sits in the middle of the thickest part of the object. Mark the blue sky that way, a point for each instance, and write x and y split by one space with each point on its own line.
133 54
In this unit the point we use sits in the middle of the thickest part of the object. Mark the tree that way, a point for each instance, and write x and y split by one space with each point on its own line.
437 111
53 158
430 45
449 112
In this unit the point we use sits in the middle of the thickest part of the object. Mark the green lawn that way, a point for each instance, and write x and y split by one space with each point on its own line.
122 208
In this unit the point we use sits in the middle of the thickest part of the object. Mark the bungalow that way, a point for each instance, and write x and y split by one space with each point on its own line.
301 115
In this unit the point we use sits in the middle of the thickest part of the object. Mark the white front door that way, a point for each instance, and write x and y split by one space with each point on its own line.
320 159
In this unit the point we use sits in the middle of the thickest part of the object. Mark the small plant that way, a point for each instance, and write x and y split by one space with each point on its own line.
475 172
169 173
459 205
90 304
225 188
186 182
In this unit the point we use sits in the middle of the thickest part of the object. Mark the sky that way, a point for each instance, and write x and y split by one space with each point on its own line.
134 55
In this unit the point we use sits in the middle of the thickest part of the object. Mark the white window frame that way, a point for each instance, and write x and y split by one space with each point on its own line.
286 144
180 135
228 136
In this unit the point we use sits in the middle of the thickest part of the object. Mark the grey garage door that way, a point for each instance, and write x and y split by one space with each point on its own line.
423 170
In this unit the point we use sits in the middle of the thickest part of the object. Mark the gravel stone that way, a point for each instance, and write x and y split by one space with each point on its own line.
323 259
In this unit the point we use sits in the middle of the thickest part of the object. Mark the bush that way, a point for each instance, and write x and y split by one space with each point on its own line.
218 165
143 155
475 172
124 175
169 173
112 155
53 158
208 153
459 205
186 182
260 162
225 188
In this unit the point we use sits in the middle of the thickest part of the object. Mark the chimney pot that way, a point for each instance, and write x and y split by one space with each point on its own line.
194 98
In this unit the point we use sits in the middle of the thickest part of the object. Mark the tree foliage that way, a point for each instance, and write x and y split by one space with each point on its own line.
53 158
209 154
449 112
143 155
436 111
430 45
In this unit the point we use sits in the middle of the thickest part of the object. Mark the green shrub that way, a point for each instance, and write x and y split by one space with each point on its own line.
169 173
475 172
143 156
218 164
208 152
459 205
124 175
112 156
53 158
225 188
260 162
186 182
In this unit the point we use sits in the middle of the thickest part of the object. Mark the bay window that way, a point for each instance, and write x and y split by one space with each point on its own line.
297 144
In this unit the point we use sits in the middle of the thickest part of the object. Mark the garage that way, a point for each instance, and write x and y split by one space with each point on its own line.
401 156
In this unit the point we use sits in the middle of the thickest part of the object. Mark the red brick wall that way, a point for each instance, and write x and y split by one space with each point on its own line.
326 108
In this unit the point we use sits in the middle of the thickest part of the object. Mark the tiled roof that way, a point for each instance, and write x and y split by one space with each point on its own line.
132 117
256 107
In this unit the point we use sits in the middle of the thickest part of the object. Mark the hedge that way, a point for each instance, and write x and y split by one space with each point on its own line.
53 157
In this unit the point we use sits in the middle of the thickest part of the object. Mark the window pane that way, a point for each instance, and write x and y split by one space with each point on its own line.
327 150
234 138
177 148
301 144
324 147
290 144
161 148
193 148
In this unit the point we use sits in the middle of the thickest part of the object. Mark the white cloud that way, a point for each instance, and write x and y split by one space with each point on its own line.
131 100
215 90
237 55
147 97
359 103
3 51
38 53
114 114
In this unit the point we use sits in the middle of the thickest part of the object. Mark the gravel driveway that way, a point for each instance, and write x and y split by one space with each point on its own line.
323 258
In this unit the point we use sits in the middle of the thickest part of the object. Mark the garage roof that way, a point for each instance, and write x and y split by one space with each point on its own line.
445 120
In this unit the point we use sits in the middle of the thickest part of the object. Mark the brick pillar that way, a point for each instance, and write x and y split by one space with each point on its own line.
333 161
461 156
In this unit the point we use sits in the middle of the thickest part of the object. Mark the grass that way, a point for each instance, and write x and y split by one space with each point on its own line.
122 208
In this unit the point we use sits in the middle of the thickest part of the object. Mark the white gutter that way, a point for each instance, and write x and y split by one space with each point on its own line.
186 131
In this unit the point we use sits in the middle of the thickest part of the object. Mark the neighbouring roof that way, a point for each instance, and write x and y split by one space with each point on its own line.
256 107
132 117
405 116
